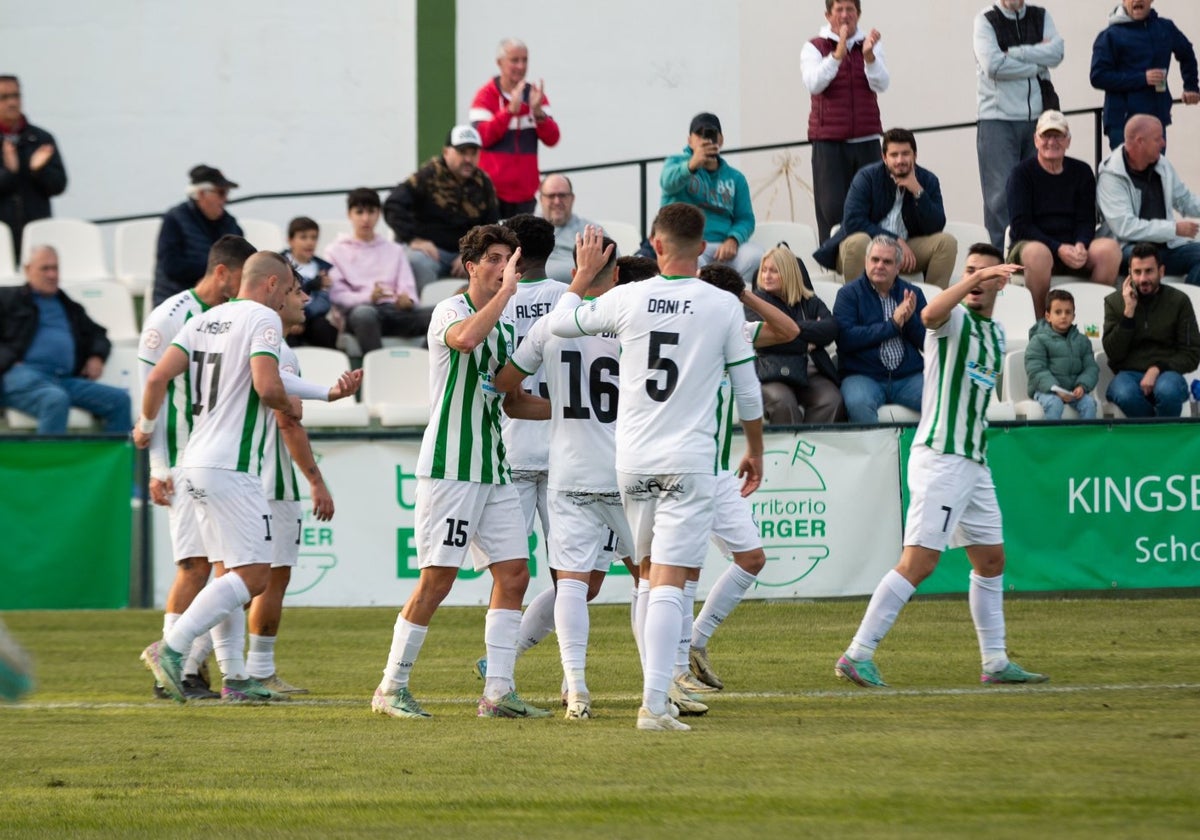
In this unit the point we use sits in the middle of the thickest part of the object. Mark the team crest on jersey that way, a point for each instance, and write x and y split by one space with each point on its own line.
290 369
982 376
271 336
652 488
153 339
448 317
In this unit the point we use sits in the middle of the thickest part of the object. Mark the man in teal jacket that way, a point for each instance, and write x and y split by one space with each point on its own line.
701 177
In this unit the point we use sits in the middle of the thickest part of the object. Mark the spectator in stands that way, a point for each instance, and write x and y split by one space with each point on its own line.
880 336
322 322
439 203
1151 340
1015 46
52 353
1138 192
190 229
372 281
808 391
1059 362
701 177
512 118
32 172
1130 60
896 198
1052 202
843 69
558 208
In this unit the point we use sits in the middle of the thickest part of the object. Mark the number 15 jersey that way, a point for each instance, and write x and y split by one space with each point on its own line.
229 430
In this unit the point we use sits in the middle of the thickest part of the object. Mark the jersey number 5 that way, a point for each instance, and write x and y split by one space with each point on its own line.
660 390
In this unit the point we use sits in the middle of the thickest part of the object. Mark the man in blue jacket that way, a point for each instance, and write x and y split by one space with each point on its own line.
1130 60
899 199
701 177
190 229
880 336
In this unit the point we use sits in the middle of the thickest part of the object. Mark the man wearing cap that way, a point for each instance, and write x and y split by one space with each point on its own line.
189 231
439 203
1052 204
701 177
31 169
557 198
512 117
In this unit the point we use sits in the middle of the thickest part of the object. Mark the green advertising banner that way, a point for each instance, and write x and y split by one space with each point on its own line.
1090 507
65 524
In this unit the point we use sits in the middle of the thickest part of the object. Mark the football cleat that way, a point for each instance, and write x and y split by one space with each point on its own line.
194 688
862 673
702 669
509 706
647 721
480 668
688 704
167 667
249 691
399 704
688 682
278 683
1012 673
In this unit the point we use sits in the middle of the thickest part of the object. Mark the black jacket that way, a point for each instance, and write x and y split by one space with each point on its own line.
25 195
434 204
183 244
19 324
817 327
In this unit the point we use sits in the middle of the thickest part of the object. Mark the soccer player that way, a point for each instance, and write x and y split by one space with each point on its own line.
220 282
677 336
466 500
231 355
952 497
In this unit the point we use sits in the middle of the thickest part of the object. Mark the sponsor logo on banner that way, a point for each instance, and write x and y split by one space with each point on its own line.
317 557
790 508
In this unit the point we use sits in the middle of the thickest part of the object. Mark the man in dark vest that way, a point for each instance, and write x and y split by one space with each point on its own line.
1015 47
843 69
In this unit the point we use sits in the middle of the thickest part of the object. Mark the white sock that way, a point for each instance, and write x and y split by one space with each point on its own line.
685 632
260 661
406 644
501 629
633 620
537 622
201 648
229 643
726 594
571 619
169 620
890 596
664 613
986 599
212 604
639 623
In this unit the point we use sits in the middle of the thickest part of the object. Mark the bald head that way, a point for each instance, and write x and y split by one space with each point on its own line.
41 270
1141 124
266 278
1144 140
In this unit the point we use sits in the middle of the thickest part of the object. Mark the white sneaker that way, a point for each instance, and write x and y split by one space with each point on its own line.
688 704
578 710
650 722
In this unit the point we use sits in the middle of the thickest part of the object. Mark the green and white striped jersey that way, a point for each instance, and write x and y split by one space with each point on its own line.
962 363
278 473
462 440
229 428
175 417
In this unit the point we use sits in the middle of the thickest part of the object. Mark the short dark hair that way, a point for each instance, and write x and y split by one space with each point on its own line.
1059 294
986 249
724 277
363 197
612 259
635 269
231 251
899 136
829 5
681 223
536 236
1144 251
477 240
8 77
300 224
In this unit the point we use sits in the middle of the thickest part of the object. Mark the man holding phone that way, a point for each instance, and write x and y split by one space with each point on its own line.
701 177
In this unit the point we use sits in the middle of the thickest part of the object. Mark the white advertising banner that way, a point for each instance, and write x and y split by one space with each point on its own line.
828 511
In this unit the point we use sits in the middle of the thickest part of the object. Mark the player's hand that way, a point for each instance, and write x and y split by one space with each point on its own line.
347 385
508 284
750 470
162 491
590 254
727 250
322 500
140 439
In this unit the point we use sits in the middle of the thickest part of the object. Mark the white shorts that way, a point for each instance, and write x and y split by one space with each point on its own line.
531 487
287 518
181 517
734 528
670 516
583 527
451 516
952 502
233 515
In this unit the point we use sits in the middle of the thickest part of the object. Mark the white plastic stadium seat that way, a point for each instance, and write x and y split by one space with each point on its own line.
624 234
965 234
10 272
801 239
77 419
892 413
1016 385
396 385
110 305
1103 407
928 289
438 290
135 246
265 236
827 291
323 366
1014 309
123 370
80 248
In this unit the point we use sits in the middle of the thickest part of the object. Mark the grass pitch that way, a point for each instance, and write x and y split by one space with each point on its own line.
1110 748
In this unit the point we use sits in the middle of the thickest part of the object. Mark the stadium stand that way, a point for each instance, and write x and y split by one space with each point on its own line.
320 364
80 247
396 385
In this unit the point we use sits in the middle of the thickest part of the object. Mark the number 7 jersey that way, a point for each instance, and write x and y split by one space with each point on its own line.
229 429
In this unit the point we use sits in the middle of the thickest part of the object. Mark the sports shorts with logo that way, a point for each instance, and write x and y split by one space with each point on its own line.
734 528
451 517
952 502
670 516
181 516
233 515
582 524
531 487
287 518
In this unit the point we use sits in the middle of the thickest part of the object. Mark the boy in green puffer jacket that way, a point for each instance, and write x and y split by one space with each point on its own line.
1059 361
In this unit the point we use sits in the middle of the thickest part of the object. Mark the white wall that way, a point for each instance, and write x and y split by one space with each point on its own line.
289 96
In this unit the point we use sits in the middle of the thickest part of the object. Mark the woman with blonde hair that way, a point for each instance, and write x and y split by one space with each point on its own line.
800 380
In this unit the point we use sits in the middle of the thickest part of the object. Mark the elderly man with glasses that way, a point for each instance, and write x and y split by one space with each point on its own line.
190 229
31 168
557 198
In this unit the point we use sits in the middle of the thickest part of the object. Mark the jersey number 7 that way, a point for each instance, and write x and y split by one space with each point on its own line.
209 363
